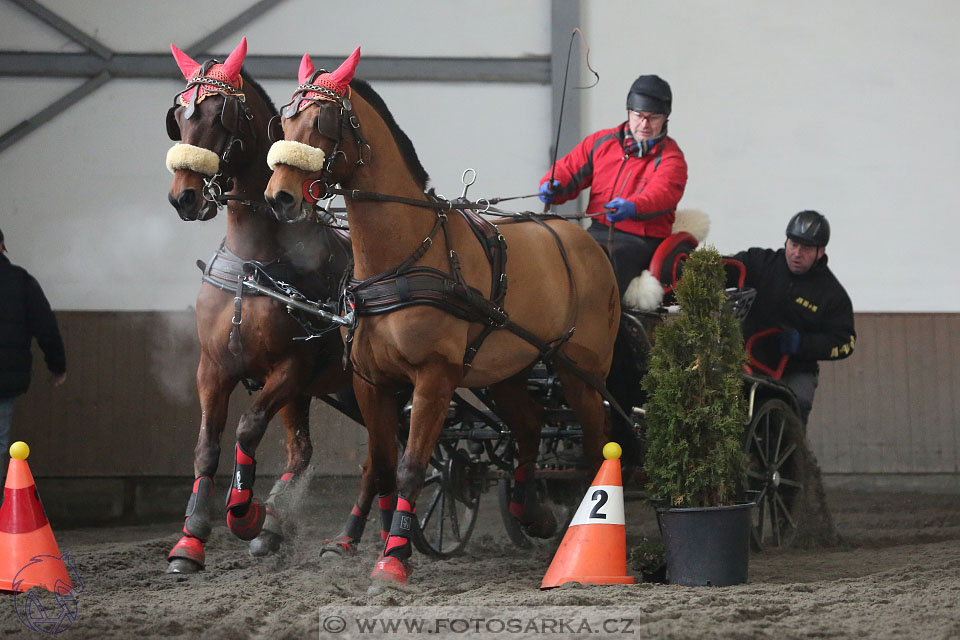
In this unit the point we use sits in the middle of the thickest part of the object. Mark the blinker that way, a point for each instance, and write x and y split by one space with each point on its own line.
173 127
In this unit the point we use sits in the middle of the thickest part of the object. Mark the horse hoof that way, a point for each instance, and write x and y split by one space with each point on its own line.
248 525
390 570
543 526
183 565
339 547
265 544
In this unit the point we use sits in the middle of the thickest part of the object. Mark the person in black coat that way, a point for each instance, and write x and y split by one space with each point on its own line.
24 315
797 293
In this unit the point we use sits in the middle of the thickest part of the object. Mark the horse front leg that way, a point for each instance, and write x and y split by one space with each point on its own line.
214 387
524 417
433 390
379 408
246 514
279 505
346 542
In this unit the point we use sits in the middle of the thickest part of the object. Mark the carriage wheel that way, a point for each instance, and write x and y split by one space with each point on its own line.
778 471
449 502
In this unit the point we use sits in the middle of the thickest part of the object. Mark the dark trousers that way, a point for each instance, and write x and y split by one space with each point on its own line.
804 386
629 254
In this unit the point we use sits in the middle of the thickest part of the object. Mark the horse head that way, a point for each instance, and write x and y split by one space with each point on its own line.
215 123
318 126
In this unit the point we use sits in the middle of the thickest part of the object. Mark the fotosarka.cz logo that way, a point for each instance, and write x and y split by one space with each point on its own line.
44 607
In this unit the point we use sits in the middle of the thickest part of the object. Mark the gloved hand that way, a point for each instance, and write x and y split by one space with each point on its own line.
789 342
548 191
621 209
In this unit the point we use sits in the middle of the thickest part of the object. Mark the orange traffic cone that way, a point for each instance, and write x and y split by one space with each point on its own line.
594 549
26 538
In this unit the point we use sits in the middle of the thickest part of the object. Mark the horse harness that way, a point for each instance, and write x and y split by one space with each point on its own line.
408 285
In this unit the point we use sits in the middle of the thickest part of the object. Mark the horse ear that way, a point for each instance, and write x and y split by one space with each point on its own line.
344 74
306 69
188 66
235 60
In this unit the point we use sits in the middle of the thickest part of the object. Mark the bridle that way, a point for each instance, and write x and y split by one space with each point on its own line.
331 124
236 118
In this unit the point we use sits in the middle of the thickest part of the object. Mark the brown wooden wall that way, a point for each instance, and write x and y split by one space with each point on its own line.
894 405
129 406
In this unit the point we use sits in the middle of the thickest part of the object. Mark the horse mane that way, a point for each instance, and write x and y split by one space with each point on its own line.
248 79
403 142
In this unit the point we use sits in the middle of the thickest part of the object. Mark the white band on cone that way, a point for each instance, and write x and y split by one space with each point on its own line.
295 154
603 504
198 159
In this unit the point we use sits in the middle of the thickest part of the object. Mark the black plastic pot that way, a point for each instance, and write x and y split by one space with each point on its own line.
707 546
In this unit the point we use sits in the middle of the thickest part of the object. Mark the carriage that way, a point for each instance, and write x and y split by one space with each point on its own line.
426 322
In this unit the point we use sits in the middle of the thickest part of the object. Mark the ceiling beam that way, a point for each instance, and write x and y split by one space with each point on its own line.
534 69
233 25
49 112
65 27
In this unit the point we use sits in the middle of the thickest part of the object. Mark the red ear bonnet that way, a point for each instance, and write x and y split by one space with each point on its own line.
338 82
188 66
306 69
228 72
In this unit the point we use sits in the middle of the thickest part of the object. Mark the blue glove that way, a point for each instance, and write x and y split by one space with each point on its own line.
789 342
621 209
548 191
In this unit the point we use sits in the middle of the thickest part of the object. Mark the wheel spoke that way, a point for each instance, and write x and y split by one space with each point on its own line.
425 522
755 474
761 509
774 520
786 512
786 454
790 483
781 424
443 506
759 449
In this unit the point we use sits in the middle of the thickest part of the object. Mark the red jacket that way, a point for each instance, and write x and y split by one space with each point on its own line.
653 182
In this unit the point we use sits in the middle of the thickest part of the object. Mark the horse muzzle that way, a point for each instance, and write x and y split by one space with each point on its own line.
190 206
286 208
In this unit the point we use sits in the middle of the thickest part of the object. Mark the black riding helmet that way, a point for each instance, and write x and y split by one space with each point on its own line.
810 228
650 93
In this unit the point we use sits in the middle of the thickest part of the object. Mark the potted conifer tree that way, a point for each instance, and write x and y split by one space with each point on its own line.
695 416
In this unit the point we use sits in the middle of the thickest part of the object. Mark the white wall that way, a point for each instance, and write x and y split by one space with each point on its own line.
845 107
85 205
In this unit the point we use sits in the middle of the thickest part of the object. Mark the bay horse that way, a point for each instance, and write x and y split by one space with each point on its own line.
430 290
221 122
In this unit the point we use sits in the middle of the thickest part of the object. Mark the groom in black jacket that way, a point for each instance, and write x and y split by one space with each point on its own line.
797 293
24 315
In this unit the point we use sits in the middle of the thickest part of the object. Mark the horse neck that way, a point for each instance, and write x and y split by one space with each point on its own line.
252 232
384 234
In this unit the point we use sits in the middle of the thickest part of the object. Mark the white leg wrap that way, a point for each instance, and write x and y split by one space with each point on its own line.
295 154
198 159
644 293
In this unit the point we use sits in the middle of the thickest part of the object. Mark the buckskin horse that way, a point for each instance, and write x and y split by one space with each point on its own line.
430 289
221 120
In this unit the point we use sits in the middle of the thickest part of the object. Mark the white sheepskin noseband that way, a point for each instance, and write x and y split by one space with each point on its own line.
295 154
198 159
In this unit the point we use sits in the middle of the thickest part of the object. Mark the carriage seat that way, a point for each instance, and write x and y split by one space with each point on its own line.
646 292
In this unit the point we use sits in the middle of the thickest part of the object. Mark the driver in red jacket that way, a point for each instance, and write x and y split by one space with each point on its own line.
636 175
